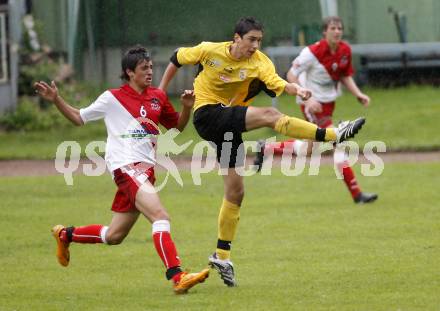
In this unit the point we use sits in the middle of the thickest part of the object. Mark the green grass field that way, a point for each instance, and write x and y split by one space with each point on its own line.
404 118
302 245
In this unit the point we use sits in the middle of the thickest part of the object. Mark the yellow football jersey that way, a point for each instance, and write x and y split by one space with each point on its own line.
224 79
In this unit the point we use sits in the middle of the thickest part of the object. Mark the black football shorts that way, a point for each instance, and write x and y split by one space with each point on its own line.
221 125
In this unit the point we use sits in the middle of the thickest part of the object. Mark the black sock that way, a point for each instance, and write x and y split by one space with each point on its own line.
172 272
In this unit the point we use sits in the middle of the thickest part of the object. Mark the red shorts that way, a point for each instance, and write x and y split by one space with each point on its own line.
322 119
128 179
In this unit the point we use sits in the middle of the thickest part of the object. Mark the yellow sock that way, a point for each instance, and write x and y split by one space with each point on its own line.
330 134
227 226
297 128
223 254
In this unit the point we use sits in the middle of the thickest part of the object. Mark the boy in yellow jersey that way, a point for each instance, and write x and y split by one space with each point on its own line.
230 75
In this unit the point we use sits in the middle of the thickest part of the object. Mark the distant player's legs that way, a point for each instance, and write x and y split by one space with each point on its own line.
341 163
325 119
278 147
292 146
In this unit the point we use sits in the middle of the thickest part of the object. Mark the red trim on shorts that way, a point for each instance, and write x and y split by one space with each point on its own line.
322 119
129 178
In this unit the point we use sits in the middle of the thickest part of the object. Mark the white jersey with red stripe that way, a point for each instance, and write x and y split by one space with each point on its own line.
320 70
132 122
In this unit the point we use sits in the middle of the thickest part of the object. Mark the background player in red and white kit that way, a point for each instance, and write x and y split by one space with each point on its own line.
131 114
320 67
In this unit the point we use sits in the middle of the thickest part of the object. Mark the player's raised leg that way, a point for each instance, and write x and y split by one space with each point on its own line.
257 117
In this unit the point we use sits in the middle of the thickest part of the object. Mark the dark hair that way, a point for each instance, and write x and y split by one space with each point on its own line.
132 57
331 19
246 24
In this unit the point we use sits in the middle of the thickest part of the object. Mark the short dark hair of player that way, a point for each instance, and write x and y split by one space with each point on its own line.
132 57
329 20
246 24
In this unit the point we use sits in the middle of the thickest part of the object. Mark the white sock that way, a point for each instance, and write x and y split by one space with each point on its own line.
103 233
340 156
161 226
298 145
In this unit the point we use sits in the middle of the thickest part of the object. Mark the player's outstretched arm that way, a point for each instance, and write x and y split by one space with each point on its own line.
293 87
50 93
351 85
311 104
296 89
187 100
168 75
291 78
